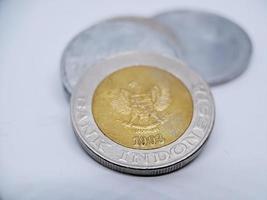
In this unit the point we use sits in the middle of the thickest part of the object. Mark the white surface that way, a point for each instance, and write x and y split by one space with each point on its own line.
40 157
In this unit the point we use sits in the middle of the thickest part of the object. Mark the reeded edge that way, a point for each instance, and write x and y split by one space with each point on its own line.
246 62
149 170
153 24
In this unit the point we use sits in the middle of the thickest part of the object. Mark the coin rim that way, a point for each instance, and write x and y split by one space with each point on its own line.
186 75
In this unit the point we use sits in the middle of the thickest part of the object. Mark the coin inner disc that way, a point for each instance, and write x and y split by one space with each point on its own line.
142 107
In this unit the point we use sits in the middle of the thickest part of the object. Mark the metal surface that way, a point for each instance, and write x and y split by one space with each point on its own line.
142 107
214 46
111 37
135 161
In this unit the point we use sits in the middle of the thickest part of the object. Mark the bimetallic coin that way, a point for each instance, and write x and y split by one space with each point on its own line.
112 37
214 46
142 113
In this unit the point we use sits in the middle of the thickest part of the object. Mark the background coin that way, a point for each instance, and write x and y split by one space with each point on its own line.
111 37
214 46
142 113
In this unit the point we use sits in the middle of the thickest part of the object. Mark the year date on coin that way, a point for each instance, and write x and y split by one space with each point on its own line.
150 140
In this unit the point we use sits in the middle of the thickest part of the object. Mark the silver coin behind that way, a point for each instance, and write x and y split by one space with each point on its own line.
137 161
214 46
111 37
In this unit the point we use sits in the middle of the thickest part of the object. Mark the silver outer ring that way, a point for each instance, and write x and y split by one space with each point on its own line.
74 57
242 61
133 161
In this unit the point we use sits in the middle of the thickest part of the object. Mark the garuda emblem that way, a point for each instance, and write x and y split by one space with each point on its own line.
143 108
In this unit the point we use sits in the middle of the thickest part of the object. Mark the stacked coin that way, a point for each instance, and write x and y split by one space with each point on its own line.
136 107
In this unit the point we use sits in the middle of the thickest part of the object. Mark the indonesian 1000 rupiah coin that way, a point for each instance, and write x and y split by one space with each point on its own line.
142 113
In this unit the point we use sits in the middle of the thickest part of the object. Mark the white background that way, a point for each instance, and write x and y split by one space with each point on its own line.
40 157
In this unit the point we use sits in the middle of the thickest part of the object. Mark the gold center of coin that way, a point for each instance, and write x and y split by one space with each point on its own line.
142 107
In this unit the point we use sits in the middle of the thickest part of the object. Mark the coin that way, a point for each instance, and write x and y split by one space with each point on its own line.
142 113
111 37
217 48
